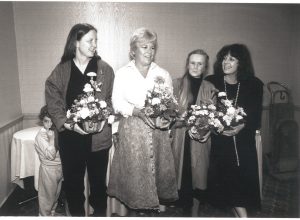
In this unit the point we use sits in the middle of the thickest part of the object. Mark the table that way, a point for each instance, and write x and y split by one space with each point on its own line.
24 159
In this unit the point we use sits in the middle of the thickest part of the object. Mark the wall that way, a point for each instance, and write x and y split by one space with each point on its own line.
295 54
296 68
10 107
42 28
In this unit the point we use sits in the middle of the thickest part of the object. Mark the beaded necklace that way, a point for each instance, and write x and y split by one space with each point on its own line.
235 103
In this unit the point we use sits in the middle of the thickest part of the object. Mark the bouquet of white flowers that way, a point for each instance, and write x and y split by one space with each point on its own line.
87 109
201 119
229 114
160 101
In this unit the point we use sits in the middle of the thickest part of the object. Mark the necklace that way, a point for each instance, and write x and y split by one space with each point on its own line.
235 103
237 92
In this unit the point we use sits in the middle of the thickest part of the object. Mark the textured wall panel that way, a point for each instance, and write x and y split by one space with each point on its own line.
10 106
42 28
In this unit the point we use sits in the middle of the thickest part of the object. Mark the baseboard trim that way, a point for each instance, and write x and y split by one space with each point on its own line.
30 116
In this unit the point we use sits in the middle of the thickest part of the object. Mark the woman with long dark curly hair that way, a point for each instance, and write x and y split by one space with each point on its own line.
233 179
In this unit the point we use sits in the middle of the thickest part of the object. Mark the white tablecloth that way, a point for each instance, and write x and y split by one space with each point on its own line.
24 159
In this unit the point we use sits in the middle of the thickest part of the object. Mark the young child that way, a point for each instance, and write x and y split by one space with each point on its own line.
50 173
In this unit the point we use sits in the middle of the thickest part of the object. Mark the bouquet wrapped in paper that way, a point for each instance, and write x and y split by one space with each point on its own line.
160 101
87 110
229 114
200 119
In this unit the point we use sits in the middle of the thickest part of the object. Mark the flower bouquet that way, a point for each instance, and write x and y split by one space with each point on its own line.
88 110
201 119
160 101
229 114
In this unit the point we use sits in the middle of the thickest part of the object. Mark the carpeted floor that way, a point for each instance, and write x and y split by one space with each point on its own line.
280 200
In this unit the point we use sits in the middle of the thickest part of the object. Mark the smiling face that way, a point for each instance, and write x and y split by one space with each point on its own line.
197 65
144 53
230 65
87 45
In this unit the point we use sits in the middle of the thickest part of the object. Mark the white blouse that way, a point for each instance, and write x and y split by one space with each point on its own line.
130 87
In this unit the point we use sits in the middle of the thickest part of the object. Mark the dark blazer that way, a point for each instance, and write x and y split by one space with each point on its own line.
55 93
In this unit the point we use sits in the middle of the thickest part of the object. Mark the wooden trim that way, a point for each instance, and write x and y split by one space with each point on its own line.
30 116
10 123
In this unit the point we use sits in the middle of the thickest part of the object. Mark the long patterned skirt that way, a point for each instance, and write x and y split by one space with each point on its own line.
142 173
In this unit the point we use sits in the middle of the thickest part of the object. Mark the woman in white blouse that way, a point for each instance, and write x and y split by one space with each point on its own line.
142 172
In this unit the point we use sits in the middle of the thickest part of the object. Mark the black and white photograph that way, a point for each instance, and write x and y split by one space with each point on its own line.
149 109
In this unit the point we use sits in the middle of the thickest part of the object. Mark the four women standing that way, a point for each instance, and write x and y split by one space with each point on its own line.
146 171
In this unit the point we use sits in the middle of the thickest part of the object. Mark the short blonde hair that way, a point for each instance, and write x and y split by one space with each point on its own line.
140 35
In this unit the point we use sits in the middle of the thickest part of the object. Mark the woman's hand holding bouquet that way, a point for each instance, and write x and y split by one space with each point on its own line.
201 120
87 110
224 118
160 105
231 116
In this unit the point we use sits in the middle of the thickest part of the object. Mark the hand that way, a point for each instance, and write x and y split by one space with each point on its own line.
234 131
76 128
201 139
102 125
208 92
179 124
162 123
146 119
205 137
45 136
50 135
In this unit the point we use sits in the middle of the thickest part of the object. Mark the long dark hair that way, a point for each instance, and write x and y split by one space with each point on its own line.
185 94
240 52
75 34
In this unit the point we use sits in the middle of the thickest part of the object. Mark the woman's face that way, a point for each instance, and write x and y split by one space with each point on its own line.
144 53
230 65
87 45
197 65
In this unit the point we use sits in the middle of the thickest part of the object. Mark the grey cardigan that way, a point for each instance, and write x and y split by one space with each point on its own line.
55 93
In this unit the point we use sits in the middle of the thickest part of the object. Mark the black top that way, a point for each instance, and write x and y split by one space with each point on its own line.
195 85
76 84
78 80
